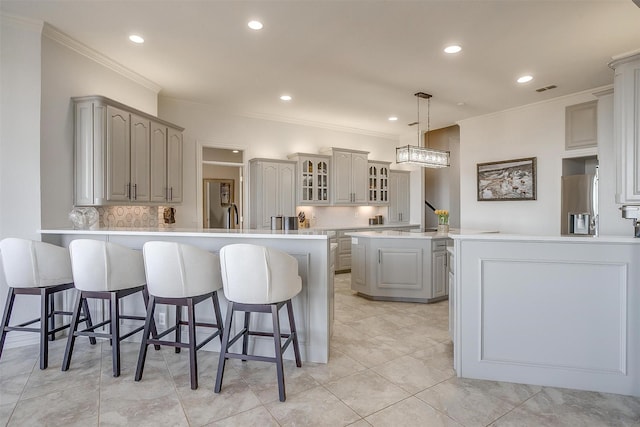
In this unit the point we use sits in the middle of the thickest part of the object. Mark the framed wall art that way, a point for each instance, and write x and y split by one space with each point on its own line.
507 180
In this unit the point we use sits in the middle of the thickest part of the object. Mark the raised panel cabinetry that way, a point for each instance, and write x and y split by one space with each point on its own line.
378 183
272 190
439 270
122 155
398 197
581 127
626 128
313 186
349 176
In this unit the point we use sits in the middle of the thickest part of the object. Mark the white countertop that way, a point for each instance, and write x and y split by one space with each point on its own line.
531 238
196 232
414 234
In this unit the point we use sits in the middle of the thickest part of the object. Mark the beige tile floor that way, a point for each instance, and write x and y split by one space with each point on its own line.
391 365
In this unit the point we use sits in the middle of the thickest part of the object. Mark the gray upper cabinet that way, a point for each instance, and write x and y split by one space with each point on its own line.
123 155
626 128
313 183
581 125
349 172
378 183
399 197
272 190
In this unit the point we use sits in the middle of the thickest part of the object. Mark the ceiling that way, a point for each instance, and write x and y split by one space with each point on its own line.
352 64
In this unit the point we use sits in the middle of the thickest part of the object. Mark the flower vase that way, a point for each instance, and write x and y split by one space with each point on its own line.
443 224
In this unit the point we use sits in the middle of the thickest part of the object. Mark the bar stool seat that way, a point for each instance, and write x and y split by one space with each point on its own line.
106 271
259 279
180 275
36 268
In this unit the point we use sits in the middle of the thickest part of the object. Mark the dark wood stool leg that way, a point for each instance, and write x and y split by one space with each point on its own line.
115 333
154 331
216 310
44 328
8 308
294 332
87 320
142 356
193 359
245 337
178 327
278 347
52 320
68 352
224 347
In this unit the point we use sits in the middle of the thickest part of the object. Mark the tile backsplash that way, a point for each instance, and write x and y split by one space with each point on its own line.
132 216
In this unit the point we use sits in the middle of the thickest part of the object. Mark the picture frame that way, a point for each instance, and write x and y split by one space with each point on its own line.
507 180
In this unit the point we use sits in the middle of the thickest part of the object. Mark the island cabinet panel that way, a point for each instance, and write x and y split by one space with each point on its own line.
399 268
123 155
359 274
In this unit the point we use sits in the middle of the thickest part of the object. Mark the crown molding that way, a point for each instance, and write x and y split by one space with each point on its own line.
22 22
321 125
73 44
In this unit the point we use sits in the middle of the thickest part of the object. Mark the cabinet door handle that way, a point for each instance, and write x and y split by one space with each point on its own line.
135 191
171 193
379 257
129 191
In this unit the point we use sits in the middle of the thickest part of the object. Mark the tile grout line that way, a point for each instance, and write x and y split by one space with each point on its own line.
515 407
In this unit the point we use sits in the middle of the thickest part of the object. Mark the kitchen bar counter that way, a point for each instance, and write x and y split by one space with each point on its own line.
311 249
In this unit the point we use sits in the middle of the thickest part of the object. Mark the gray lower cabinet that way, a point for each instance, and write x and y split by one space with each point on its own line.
398 269
344 251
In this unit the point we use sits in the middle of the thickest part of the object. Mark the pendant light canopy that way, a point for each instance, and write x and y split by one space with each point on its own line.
419 155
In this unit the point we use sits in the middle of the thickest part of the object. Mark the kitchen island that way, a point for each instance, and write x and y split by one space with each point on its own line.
312 306
399 265
547 310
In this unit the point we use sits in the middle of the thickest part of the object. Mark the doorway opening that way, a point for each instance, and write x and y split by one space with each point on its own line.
222 194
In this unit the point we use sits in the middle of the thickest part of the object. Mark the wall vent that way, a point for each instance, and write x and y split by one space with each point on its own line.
542 89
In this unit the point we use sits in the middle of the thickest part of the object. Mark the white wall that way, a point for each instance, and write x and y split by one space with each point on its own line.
536 130
20 128
258 138
65 74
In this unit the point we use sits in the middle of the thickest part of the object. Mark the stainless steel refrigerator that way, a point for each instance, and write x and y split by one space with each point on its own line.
219 209
579 211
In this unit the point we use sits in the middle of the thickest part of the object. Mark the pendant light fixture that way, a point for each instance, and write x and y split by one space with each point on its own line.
419 155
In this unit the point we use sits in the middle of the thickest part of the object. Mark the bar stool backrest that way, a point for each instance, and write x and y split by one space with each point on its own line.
104 266
32 264
176 270
253 274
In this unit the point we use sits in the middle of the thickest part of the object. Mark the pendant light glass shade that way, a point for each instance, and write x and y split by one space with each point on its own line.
418 155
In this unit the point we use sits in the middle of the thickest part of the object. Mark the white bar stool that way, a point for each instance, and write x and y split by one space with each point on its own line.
259 279
180 275
36 268
106 271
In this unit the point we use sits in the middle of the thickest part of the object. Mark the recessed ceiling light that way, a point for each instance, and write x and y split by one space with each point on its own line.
452 49
235 151
136 39
255 25
286 97
393 119
525 79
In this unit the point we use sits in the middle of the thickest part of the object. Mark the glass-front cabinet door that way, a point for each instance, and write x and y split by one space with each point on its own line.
313 175
379 183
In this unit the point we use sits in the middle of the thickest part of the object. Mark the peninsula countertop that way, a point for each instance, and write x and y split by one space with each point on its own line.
195 232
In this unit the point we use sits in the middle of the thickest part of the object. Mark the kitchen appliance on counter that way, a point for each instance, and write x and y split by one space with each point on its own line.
632 212
284 222
579 211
